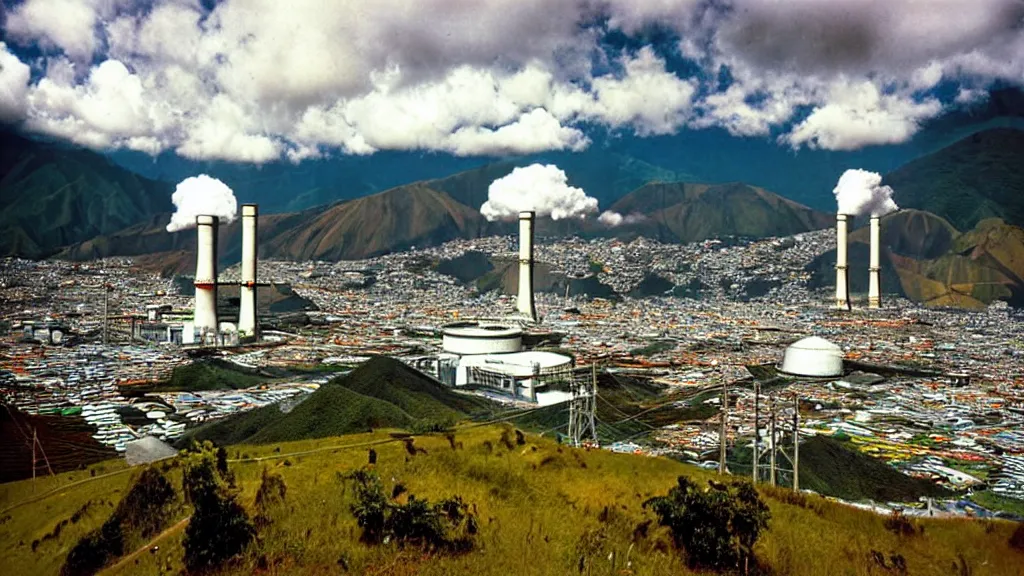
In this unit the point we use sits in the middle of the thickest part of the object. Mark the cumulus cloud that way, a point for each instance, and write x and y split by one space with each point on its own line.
541 188
258 80
860 193
14 78
201 196
613 219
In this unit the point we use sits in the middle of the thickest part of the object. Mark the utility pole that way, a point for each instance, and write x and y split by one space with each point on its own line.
721 432
796 443
757 430
106 294
772 445
34 440
582 407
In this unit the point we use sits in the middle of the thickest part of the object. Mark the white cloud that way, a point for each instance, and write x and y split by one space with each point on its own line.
859 114
14 78
256 80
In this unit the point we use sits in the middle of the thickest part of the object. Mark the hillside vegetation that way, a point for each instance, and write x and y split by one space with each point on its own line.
381 393
978 177
52 195
540 508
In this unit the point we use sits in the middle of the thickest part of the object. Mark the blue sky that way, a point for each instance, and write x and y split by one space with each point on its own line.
258 81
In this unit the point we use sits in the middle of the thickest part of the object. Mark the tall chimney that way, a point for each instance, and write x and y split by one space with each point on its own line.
842 282
247 322
875 280
525 301
206 276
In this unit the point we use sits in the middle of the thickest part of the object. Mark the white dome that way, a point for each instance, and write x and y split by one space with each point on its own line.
813 356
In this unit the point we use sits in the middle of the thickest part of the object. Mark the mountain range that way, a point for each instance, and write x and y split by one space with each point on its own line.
80 205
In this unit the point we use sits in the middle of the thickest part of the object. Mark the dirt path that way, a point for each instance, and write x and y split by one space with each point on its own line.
120 564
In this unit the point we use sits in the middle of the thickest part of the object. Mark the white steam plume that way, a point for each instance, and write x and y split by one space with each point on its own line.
613 219
860 193
198 196
537 187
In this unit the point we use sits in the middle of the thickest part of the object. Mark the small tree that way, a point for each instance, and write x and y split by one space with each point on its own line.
717 526
219 528
271 493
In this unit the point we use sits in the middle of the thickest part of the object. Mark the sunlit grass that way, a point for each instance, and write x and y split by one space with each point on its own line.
540 507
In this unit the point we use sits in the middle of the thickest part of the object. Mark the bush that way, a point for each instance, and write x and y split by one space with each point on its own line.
1017 539
219 528
271 493
142 513
447 526
716 527
899 524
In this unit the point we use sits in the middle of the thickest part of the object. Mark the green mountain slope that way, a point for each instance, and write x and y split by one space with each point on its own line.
381 393
979 177
51 196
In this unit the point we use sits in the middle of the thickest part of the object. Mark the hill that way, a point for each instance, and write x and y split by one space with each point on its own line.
927 260
540 508
978 177
828 467
52 195
209 374
684 212
380 393
66 441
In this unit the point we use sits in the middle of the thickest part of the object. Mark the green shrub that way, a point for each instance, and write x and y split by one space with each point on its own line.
446 526
219 528
270 494
717 527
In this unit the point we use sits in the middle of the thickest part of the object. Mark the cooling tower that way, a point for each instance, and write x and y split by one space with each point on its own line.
525 301
206 276
247 322
875 280
842 281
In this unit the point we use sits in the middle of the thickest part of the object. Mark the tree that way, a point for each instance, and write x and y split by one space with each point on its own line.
219 528
716 526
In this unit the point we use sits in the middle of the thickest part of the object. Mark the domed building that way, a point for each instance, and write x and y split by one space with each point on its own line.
813 357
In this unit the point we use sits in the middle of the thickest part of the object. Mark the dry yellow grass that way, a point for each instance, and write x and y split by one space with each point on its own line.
541 507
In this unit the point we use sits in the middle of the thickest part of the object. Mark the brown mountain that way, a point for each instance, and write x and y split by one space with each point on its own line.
927 260
685 212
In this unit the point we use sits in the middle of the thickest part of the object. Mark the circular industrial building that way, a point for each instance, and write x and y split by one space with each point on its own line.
813 357
467 338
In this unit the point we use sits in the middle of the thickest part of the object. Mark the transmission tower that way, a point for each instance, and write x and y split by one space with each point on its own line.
583 408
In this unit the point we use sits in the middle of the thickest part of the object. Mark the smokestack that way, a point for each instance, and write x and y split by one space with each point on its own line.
206 276
842 282
875 280
525 302
247 323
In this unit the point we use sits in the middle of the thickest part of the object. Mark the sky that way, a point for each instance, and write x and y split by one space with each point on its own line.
257 81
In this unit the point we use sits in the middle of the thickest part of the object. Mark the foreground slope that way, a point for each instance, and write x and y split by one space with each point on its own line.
51 196
979 177
541 508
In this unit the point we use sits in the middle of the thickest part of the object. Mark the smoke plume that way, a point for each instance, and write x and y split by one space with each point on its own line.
537 187
198 196
613 219
860 193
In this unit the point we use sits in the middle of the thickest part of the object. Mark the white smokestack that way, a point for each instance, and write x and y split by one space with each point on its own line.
525 300
860 193
842 280
205 318
542 189
247 319
875 280
201 195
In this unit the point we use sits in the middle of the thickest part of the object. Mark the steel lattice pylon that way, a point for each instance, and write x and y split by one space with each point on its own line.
583 408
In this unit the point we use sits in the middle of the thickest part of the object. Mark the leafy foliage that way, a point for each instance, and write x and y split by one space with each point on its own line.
446 526
219 528
716 526
142 513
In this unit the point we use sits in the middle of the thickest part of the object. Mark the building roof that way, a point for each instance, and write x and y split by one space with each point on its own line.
483 331
517 363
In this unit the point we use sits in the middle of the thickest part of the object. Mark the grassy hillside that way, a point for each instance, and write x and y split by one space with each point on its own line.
51 195
541 509
381 393
209 374
979 177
